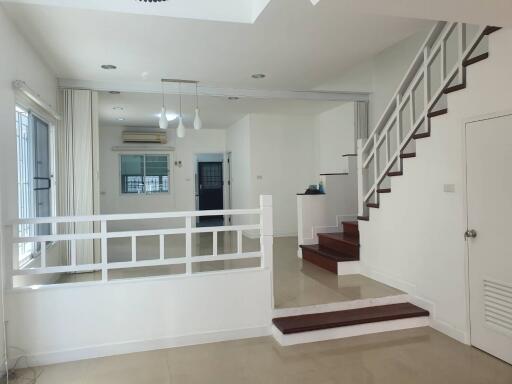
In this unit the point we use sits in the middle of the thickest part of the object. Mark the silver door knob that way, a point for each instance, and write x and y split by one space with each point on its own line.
470 234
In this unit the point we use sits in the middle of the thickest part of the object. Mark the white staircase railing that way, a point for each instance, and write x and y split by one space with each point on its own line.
438 65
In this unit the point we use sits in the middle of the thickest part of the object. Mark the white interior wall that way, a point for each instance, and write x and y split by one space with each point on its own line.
18 61
282 164
57 324
380 75
334 137
415 240
182 186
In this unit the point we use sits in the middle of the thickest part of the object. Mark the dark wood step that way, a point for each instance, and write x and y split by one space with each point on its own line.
363 218
491 29
407 155
395 173
342 243
351 228
324 258
421 135
317 321
372 205
454 88
475 59
439 112
384 190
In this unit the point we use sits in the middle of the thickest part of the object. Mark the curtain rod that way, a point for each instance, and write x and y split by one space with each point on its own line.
22 87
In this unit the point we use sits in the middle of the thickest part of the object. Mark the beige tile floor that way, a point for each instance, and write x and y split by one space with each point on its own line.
416 356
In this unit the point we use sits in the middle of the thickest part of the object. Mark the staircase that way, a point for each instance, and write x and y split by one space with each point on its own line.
420 98
336 252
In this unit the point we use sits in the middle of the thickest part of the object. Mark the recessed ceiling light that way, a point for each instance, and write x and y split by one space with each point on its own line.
118 108
232 98
114 92
120 119
108 66
259 76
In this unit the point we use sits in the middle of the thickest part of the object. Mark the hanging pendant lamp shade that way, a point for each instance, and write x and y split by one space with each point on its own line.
180 132
198 124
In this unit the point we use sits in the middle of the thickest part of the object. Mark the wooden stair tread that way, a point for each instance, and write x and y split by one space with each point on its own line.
384 190
341 237
476 59
395 173
407 155
372 205
439 112
421 135
333 255
363 218
318 321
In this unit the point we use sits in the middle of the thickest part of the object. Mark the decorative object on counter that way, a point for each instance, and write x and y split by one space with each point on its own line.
321 187
313 190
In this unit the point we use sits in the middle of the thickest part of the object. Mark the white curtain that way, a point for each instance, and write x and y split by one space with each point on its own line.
77 165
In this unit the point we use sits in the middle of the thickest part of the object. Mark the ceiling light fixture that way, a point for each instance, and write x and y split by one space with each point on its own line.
259 76
198 124
180 131
118 108
114 92
108 66
163 123
233 98
120 119
152 1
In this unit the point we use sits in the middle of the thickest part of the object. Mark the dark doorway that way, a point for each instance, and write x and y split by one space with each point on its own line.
211 186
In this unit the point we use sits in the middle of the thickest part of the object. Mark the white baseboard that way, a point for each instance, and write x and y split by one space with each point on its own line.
349 331
439 325
143 345
341 306
349 268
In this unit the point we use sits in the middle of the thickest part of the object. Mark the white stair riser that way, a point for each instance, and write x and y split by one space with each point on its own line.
349 268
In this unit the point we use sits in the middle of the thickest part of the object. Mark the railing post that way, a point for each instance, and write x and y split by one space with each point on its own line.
360 181
104 254
188 245
267 231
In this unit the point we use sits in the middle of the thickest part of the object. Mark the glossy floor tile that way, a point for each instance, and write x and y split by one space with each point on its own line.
299 283
416 356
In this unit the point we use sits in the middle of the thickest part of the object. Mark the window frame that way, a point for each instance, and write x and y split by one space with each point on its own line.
144 154
32 110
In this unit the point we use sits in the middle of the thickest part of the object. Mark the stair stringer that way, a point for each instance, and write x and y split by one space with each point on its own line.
415 240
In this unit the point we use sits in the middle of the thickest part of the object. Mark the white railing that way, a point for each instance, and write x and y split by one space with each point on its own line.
438 65
264 226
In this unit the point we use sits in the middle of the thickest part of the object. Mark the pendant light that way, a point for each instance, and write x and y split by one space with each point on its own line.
198 124
180 132
163 123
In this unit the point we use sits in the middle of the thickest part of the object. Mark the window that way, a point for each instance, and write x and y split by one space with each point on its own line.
34 177
144 174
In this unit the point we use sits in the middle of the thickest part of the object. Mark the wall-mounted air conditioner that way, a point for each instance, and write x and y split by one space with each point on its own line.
145 137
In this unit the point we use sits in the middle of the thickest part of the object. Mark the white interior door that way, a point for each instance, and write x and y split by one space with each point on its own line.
489 204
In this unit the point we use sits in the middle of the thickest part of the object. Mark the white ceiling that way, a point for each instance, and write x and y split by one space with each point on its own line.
241 11
299 46
142 109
